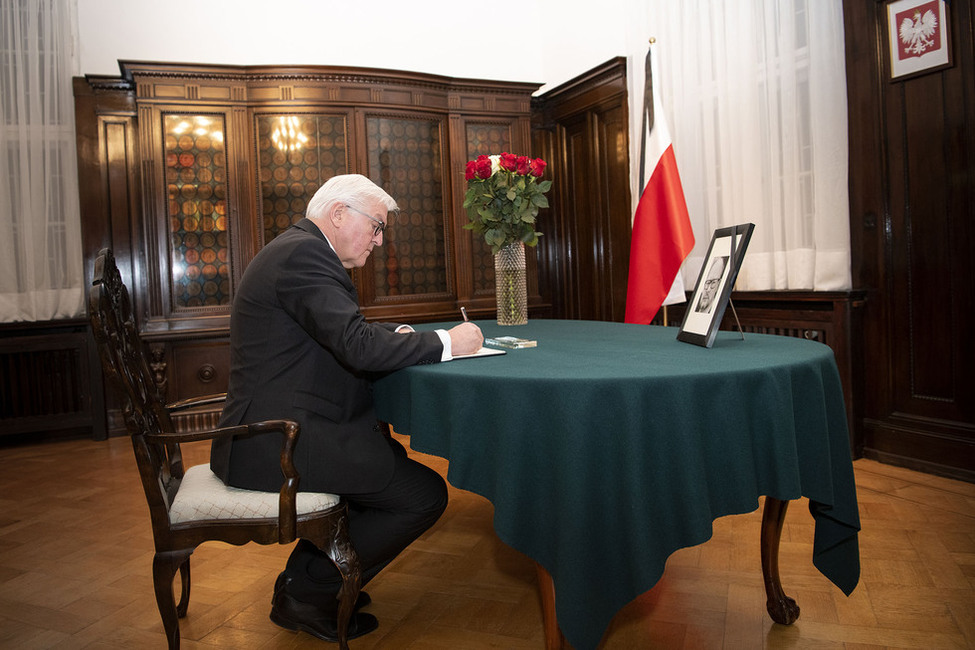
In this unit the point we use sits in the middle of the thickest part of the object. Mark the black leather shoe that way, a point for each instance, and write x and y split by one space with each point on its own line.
362 601
293 614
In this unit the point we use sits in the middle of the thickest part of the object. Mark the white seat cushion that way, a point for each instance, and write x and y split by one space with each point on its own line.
203 496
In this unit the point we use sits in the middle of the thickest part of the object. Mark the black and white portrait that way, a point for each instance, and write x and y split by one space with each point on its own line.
712 281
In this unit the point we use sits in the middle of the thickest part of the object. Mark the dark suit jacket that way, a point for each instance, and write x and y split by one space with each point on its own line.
301 350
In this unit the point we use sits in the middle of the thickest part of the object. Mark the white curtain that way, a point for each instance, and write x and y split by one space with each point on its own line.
755 96
41 270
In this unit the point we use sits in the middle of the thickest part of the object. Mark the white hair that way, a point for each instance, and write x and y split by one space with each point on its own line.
354 190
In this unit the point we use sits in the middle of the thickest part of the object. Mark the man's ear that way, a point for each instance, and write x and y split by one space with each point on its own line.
336 214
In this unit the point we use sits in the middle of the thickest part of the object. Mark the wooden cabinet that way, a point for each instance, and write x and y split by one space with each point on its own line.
218 160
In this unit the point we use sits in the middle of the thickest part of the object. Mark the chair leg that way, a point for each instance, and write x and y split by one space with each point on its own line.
184 597
343 555
164 568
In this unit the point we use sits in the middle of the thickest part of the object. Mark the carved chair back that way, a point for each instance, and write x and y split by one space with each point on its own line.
208 510
143 406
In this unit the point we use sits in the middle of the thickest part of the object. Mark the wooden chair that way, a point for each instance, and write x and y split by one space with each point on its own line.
191 507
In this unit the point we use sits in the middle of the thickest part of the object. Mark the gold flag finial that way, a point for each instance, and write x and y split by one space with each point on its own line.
653 40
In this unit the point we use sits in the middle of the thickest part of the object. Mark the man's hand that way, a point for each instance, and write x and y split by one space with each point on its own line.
465 338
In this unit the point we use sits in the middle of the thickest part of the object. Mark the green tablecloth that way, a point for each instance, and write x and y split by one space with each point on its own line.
609 446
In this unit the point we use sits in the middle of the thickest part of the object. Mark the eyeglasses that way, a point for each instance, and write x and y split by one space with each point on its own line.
380 225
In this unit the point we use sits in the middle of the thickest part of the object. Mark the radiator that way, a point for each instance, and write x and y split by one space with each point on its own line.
46 382
196 421
811 334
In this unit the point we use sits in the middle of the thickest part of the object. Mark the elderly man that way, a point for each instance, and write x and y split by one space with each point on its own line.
301 350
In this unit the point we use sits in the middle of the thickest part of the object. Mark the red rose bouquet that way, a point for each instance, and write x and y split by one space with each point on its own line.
504 194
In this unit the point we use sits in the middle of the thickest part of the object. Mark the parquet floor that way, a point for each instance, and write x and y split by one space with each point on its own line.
75 552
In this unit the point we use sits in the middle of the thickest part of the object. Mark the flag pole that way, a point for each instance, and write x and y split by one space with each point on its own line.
648 111
647 123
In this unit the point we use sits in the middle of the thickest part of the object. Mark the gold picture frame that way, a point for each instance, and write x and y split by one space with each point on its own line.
918 37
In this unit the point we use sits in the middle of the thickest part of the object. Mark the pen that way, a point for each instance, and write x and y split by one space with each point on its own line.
463 313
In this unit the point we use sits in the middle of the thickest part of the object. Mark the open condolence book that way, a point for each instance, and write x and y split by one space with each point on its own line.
483 352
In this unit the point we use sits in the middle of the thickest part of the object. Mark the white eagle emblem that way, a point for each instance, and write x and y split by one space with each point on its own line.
917 34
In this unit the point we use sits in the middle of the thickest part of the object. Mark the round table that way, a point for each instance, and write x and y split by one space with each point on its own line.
609 446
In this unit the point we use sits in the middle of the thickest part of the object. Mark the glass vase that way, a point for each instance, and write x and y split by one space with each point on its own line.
511 286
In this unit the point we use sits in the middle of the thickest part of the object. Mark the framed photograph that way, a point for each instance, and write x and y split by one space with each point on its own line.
714 284
918 37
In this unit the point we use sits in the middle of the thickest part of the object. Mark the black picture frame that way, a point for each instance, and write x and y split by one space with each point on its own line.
714 284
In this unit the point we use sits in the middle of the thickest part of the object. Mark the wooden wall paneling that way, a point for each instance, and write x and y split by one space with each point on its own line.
588 254
912 174
614 261
869 220
148 294
456 148
106 132
580 247
546 253
106 135
922 278
538 305
356 151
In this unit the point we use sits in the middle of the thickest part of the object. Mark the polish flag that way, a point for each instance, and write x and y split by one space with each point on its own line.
662 235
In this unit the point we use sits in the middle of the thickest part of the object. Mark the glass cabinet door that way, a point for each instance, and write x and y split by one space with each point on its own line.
404 157
296 154
196 207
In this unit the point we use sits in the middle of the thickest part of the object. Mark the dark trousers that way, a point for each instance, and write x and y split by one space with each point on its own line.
381 525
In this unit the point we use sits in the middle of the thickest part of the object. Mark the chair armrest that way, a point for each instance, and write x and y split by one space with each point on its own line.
203 400
179 437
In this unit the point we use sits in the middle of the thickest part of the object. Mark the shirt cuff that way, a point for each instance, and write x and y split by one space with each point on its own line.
447 348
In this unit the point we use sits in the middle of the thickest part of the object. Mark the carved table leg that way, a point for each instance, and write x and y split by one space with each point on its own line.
780 607
546 589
